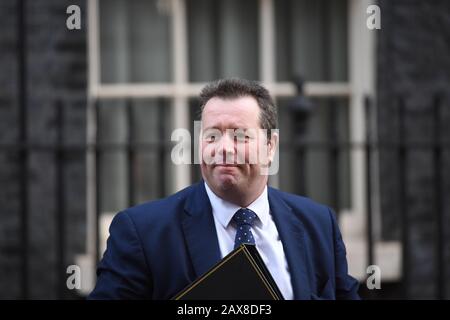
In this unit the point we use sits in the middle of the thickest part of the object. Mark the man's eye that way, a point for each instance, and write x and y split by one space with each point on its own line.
242 137
211 138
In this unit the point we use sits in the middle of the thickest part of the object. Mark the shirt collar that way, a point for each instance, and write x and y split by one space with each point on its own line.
224 210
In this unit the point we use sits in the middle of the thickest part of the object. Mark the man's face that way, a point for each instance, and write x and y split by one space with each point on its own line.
233 148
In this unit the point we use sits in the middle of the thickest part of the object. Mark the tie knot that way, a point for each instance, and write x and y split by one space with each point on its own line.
244 216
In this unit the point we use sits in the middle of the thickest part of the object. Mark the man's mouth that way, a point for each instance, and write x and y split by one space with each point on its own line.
226 165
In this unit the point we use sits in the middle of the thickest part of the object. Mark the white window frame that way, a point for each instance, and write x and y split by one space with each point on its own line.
361 42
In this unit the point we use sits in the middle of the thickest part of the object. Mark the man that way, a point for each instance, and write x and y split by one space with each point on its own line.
158 248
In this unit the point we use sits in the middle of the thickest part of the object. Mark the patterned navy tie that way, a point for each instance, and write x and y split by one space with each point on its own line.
244 219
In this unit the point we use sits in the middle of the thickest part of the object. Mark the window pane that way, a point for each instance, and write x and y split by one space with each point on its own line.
134 41
137 172
223 39
112 157
194 113
153 146
311 39
316 170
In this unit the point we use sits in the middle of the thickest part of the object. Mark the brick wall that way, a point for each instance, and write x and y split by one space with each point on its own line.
56 70
414 62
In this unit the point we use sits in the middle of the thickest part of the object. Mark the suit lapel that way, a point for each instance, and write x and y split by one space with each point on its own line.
203 246
200 232
291 233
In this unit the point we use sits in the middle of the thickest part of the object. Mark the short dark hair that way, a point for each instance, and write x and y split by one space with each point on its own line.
236 88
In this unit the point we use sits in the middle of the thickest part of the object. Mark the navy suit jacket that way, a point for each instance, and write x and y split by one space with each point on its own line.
156 249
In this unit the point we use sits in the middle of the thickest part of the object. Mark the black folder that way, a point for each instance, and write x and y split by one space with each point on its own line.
241 275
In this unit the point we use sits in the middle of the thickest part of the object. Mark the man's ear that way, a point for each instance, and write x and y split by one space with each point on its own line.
272 144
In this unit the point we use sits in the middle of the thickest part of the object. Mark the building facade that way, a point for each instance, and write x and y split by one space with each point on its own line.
86 118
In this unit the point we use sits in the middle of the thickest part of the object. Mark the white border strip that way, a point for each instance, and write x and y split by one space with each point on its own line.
181 118
154 90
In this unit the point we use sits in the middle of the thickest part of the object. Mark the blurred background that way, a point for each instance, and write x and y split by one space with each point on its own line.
86 117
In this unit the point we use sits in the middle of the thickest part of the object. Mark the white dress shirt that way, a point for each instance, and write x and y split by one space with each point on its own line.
264 232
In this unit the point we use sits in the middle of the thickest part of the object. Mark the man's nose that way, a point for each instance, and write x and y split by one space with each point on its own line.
226 146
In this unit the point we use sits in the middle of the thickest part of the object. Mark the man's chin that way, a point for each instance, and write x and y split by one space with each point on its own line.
226 181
